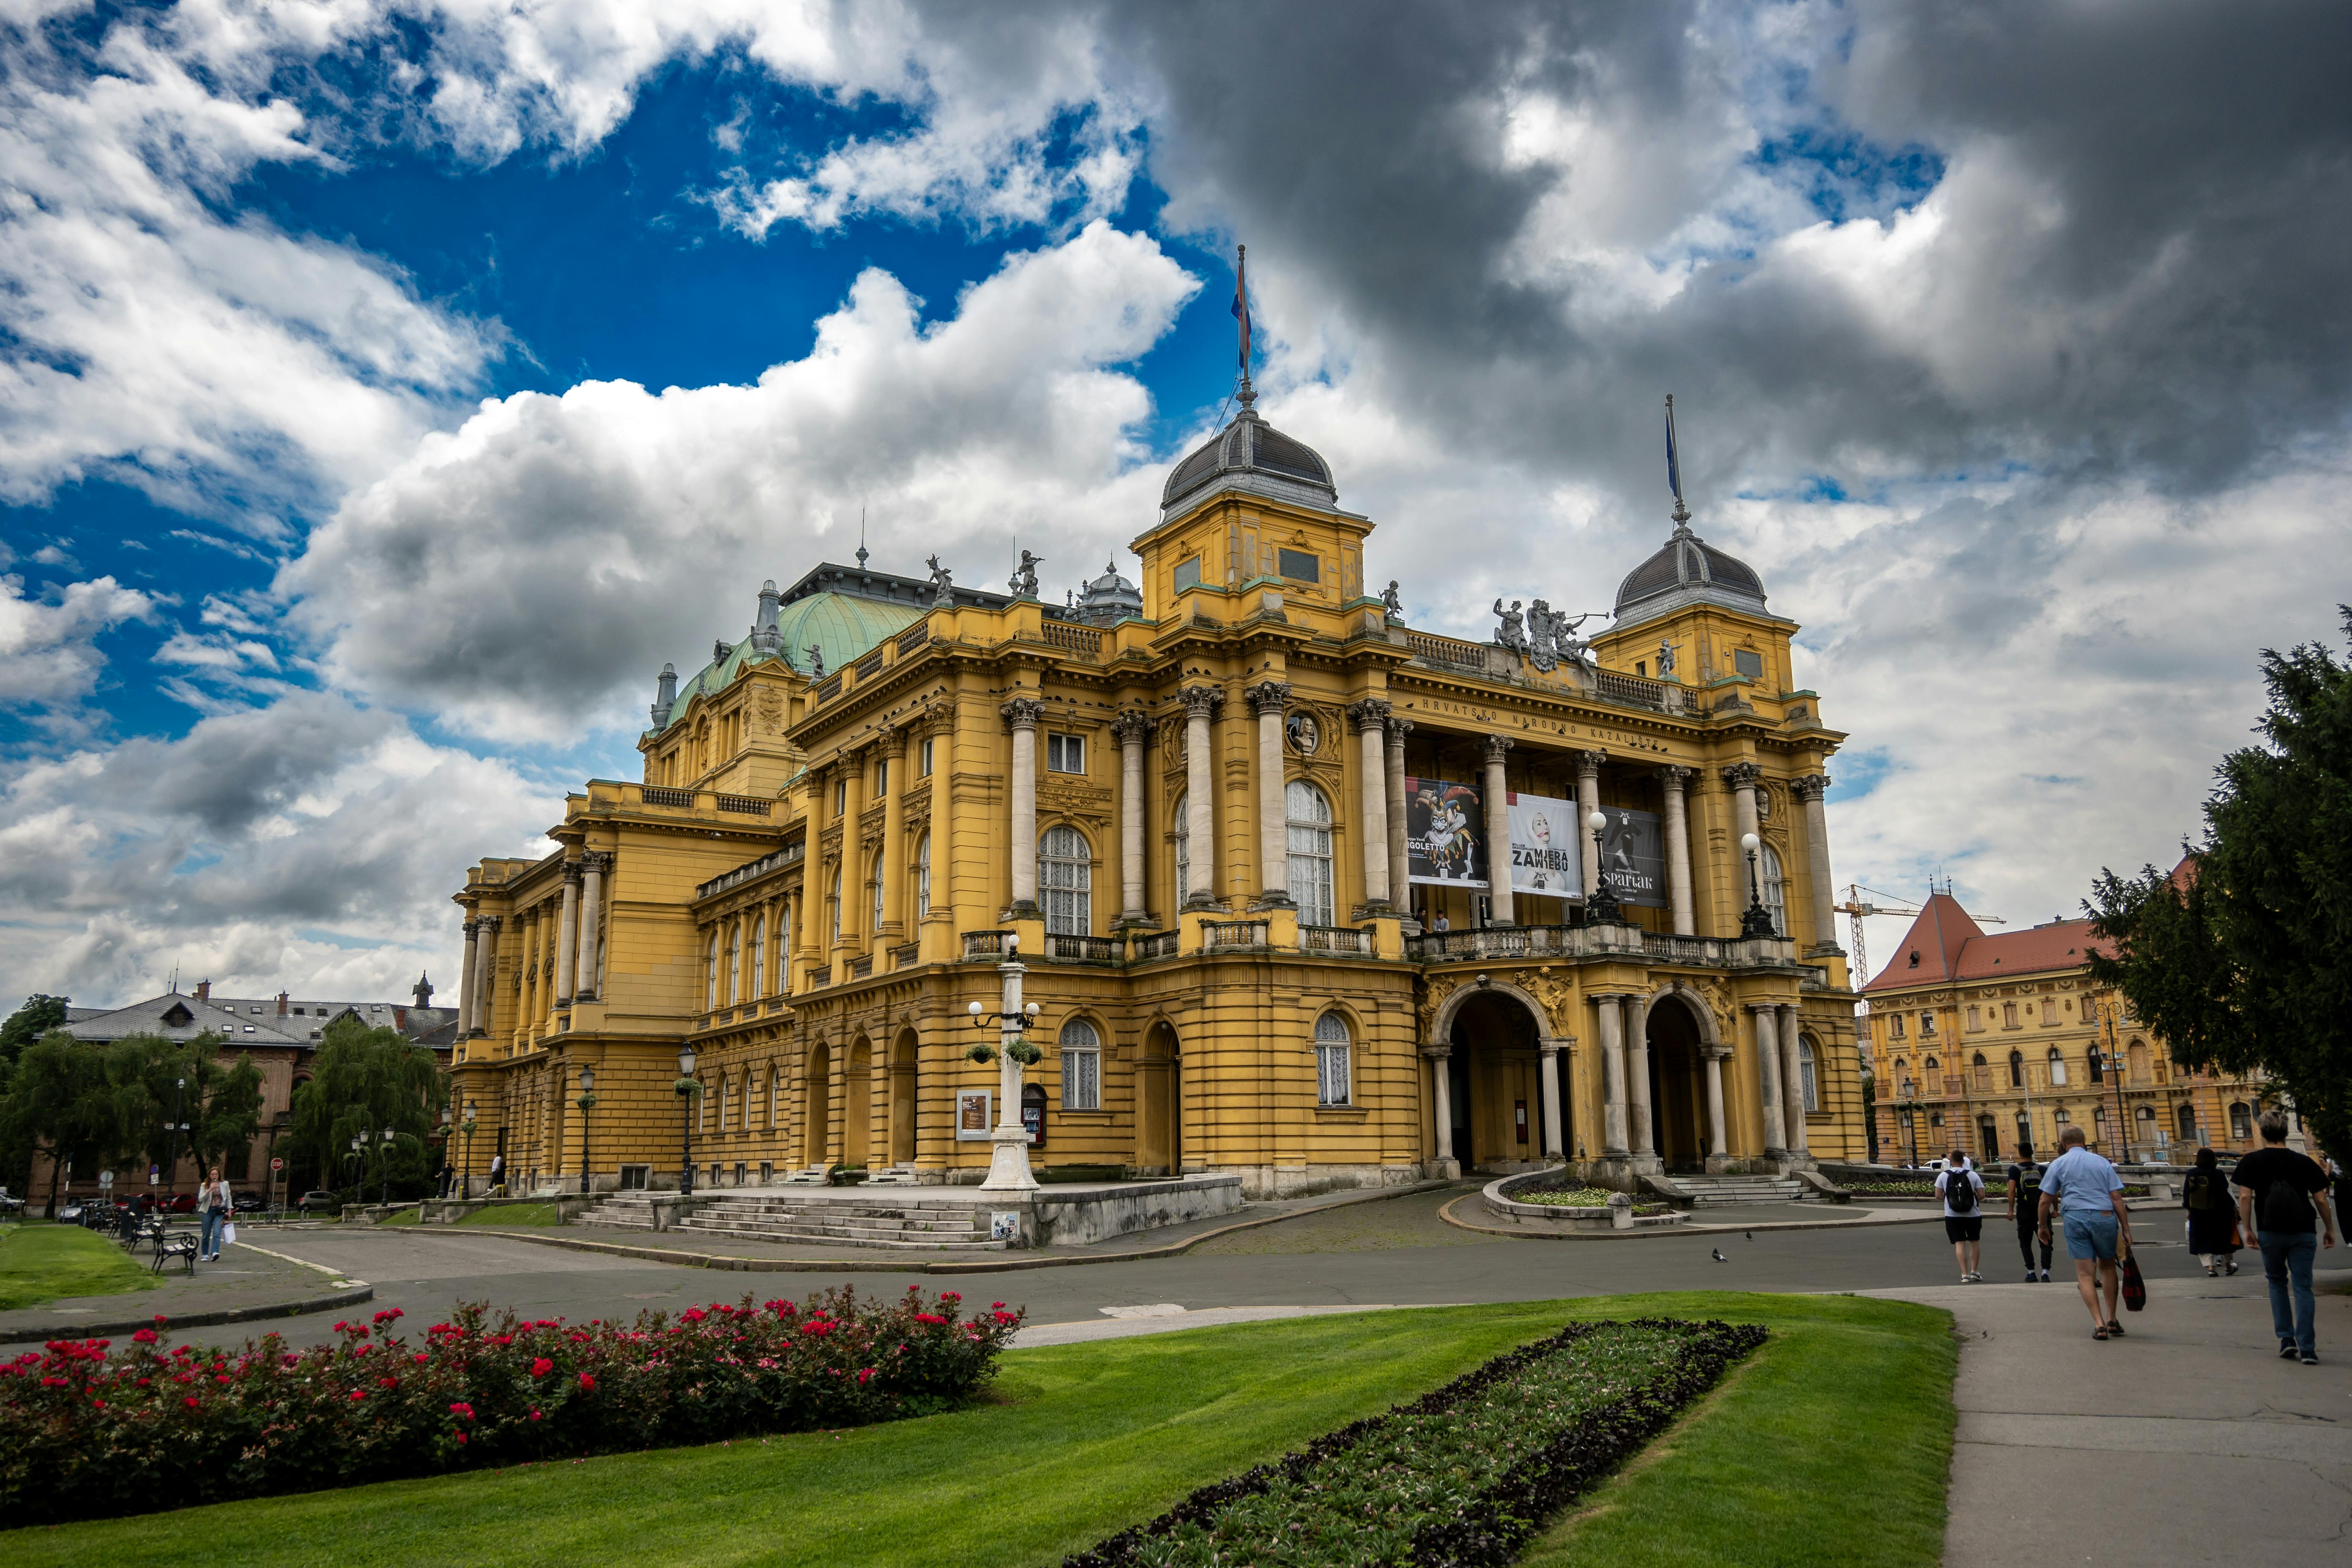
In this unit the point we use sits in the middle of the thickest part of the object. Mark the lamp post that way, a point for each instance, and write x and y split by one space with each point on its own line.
359 1167
1908 1108
2116 1075
1008 1161
586 1102
387 1167
1757 920
171 1131
687 1090
1602 908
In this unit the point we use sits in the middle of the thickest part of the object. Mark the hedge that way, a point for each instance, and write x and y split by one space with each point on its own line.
86 1431
1461 1477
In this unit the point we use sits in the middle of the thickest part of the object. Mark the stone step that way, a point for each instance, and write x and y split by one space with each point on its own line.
827 1237
810 1225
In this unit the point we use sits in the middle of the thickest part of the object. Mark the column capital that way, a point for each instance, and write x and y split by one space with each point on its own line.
1398 729
1741 775
489 925
1677 777
1132 727
597 860
1371 713
1022 712
1497 747
1266 697
1763 1006
469 928
1201 701
1589 762
1437 1053
572 873
892 739
1810 788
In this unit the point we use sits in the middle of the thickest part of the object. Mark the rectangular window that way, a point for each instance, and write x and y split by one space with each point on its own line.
2009 1014
1332 1085
1066 753
1188 573
1300 565
1640 667
1975 1019
926 760
1747 661
882 779
1926 1026
840 797
1081 1080
2049 1013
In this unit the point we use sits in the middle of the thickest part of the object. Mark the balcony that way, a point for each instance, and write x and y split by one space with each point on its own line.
1506 943
1343 940
1234 936
1160 944
1082 948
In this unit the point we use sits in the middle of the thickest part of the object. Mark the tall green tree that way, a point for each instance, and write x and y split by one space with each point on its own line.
2239 962
62 1099
28 1023
365 1080
160 1083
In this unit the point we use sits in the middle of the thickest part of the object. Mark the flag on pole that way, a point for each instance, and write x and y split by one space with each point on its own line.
1241 302
1674 468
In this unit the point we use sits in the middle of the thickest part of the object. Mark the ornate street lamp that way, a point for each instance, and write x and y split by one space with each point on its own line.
447 1116
1757 920
468 1125
358 1165
586 1102
687 1090
1602 906
171 1131
1008 1161
387 1167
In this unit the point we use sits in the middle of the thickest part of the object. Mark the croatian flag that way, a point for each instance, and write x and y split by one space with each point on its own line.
1674 469
1241 303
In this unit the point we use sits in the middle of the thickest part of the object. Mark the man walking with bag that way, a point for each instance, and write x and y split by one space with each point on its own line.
1963 1194
2082 1189
2283 1197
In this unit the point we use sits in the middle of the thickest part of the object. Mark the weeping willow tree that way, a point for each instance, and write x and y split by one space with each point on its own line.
364 1081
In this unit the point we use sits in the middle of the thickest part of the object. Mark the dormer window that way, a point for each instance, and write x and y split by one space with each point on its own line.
1915 958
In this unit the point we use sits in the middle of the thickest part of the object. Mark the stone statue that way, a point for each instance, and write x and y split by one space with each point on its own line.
943 585
1573 649
1543 634
1512 633
1665 659
1394 601
1024 581
816 661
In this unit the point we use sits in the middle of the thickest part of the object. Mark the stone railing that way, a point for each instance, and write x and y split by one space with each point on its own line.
861 968
1160 944
1447 653
906 955
1081 948
658 794
1602 941
914 639
987 945
1659 696
1085 641
1220 936
746 804
789 854
1343 939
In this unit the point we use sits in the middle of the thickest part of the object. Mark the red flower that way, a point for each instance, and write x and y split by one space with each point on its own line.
464 1410
190 1404
358 1393
541 1367
461 1436
587 1382
145 1337
534 1414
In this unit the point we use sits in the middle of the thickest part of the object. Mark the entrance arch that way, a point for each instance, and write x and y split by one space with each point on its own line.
902 1098
857 1103
1494 1076
1680 1032
816 1099
1159 1103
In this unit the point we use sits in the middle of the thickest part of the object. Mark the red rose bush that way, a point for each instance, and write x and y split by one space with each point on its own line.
87 1430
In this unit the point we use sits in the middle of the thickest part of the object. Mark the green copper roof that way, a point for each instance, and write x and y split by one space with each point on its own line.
845 627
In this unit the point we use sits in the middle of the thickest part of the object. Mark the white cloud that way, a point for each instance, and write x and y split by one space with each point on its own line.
48 649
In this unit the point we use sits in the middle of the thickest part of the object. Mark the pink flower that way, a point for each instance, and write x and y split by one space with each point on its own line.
534 1414
461 1436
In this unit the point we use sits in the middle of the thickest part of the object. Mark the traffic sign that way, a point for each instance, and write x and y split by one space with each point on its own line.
277 1164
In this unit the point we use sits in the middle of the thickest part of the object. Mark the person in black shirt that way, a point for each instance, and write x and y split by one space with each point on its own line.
2024 1212
2283 1197
2212 1216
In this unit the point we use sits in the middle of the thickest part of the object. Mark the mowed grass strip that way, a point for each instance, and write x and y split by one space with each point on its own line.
41 1263
506 1215
1077 1441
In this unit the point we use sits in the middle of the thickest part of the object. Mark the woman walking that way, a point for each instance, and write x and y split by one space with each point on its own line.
2212 1216
212 1209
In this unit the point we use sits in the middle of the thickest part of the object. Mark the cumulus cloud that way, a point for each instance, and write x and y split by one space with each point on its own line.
49 658
523 573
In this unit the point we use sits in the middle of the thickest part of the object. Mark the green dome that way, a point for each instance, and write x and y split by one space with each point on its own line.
844 627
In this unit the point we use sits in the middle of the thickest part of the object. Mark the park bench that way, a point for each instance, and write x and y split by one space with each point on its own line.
171 1243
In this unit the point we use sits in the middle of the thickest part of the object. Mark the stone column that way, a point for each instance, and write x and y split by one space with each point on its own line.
1399 865
588 975
1810 791
1612 1076
1021 714
467 984
892 854
1793 1083
1443 1101
567 936
1132 728
1549 1084
1639 1126
1740 778
1266 700
1371 720
486 999
1679 866
1714 1143
1200 797
1588 800
1498 832
1768 1076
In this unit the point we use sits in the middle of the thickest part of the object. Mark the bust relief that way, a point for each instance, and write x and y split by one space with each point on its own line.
1305 735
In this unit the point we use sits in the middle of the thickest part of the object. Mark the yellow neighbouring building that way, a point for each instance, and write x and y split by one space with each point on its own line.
1188 803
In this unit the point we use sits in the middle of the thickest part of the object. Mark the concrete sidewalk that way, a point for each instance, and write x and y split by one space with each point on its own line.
2188 1441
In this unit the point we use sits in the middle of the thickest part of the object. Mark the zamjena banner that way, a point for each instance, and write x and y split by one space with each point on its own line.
1547 855
1445 833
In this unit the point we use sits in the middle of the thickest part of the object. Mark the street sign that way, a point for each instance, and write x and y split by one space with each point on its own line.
277 1166
105 1180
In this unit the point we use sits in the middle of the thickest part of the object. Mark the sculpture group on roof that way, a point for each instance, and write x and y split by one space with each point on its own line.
1544 637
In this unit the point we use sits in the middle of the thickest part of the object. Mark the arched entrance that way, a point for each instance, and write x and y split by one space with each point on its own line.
1159 1103
817 1097
857 1103
902 1098
1677 1034
1493 1086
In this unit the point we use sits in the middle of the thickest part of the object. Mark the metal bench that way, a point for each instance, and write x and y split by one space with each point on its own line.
171 1243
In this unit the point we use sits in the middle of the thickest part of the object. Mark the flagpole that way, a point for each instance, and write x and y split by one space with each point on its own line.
1248 394
1674 464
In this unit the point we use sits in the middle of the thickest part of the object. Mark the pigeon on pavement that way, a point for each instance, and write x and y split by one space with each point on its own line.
1717 1253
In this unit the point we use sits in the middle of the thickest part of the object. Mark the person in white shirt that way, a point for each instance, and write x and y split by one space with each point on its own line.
1962 1191
214 1206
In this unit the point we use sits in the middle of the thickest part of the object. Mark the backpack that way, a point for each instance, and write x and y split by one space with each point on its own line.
2283 1207
1959 1191
2201 1193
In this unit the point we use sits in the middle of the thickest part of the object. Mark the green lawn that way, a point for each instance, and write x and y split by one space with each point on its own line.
44 1262
503 1214
1080 1440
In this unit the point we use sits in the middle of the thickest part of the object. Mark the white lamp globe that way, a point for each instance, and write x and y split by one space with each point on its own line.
1596 822
973 1009
1749 841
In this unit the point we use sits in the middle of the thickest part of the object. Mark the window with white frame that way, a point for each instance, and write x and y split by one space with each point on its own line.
760 957
1184 849
722 1104
1926 1026
710 983
1334 1073
875 929
1065 878
1309 831
1081 1067
1811 1078
882 778
837 903
1066 753
923 875
1775 889
2057 1068
925 754
735 963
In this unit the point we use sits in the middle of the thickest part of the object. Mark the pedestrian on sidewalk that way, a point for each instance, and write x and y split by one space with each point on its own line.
2282 1198
2026 1214
1962 1191
2082 1191
2212 1216
214 1207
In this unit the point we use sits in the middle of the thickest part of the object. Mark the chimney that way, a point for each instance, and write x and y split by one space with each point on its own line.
400 1017
281 1004
203 990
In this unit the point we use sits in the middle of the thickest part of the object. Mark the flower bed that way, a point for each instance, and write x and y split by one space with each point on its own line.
88 1431
1463 1477
1581 1198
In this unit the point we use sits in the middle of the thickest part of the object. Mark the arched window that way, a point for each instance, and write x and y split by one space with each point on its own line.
1775 893
2242 1122
760 957
2184 1122
1929 1064
923 878
1065 873
2136 1055
2062 1117
1310 852
1184 849
1334 1073
1811 1079
875 928
837 903
735 963
2057 1068
2017 1070
711 981
1081 1067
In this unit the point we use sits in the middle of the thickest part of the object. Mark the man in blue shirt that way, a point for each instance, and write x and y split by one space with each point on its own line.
2082 1189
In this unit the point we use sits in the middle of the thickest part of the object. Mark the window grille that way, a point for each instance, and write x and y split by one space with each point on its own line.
1309 832
1081 1067
1334 1077
1066 876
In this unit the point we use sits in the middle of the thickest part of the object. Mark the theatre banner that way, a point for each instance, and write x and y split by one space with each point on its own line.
1633 855
1445 833
1545 853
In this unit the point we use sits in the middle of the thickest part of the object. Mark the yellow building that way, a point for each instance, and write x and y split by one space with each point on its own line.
1993 1044
1194 803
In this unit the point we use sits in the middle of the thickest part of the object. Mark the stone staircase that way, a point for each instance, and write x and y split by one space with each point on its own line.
1722 1192
623 1211
839 1219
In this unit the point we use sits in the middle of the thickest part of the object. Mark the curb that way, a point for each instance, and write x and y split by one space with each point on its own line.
1013 1262
1446 1213
328 1303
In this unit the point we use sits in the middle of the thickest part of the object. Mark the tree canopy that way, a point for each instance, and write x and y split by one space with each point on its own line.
91 1105
365 1080
2239 959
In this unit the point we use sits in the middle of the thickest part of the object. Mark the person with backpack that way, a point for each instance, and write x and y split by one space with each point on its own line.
2026 1214
2212 1216
1961 1189
2082 1191
2282 1198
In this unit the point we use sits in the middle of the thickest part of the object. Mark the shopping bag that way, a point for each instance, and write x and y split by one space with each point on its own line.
228 1234
2135 1288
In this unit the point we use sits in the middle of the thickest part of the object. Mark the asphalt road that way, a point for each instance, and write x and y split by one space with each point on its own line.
1395 1253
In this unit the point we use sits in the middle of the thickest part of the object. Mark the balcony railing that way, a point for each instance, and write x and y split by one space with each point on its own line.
1081 948
766 863
658 795
1083 640
1345 939
906 955
1160 944
986 945
1224 936
861 968
1659 696
1447 653
746 804
1601 940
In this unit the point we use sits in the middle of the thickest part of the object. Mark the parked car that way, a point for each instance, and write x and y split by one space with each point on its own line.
183 1203
10 1204
248 1202
321 1199
72 1211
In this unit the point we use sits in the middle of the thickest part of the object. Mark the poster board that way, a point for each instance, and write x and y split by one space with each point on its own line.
1633 857
1445 833
971 1123
1547 847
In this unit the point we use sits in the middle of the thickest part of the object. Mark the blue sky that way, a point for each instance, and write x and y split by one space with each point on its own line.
390 386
